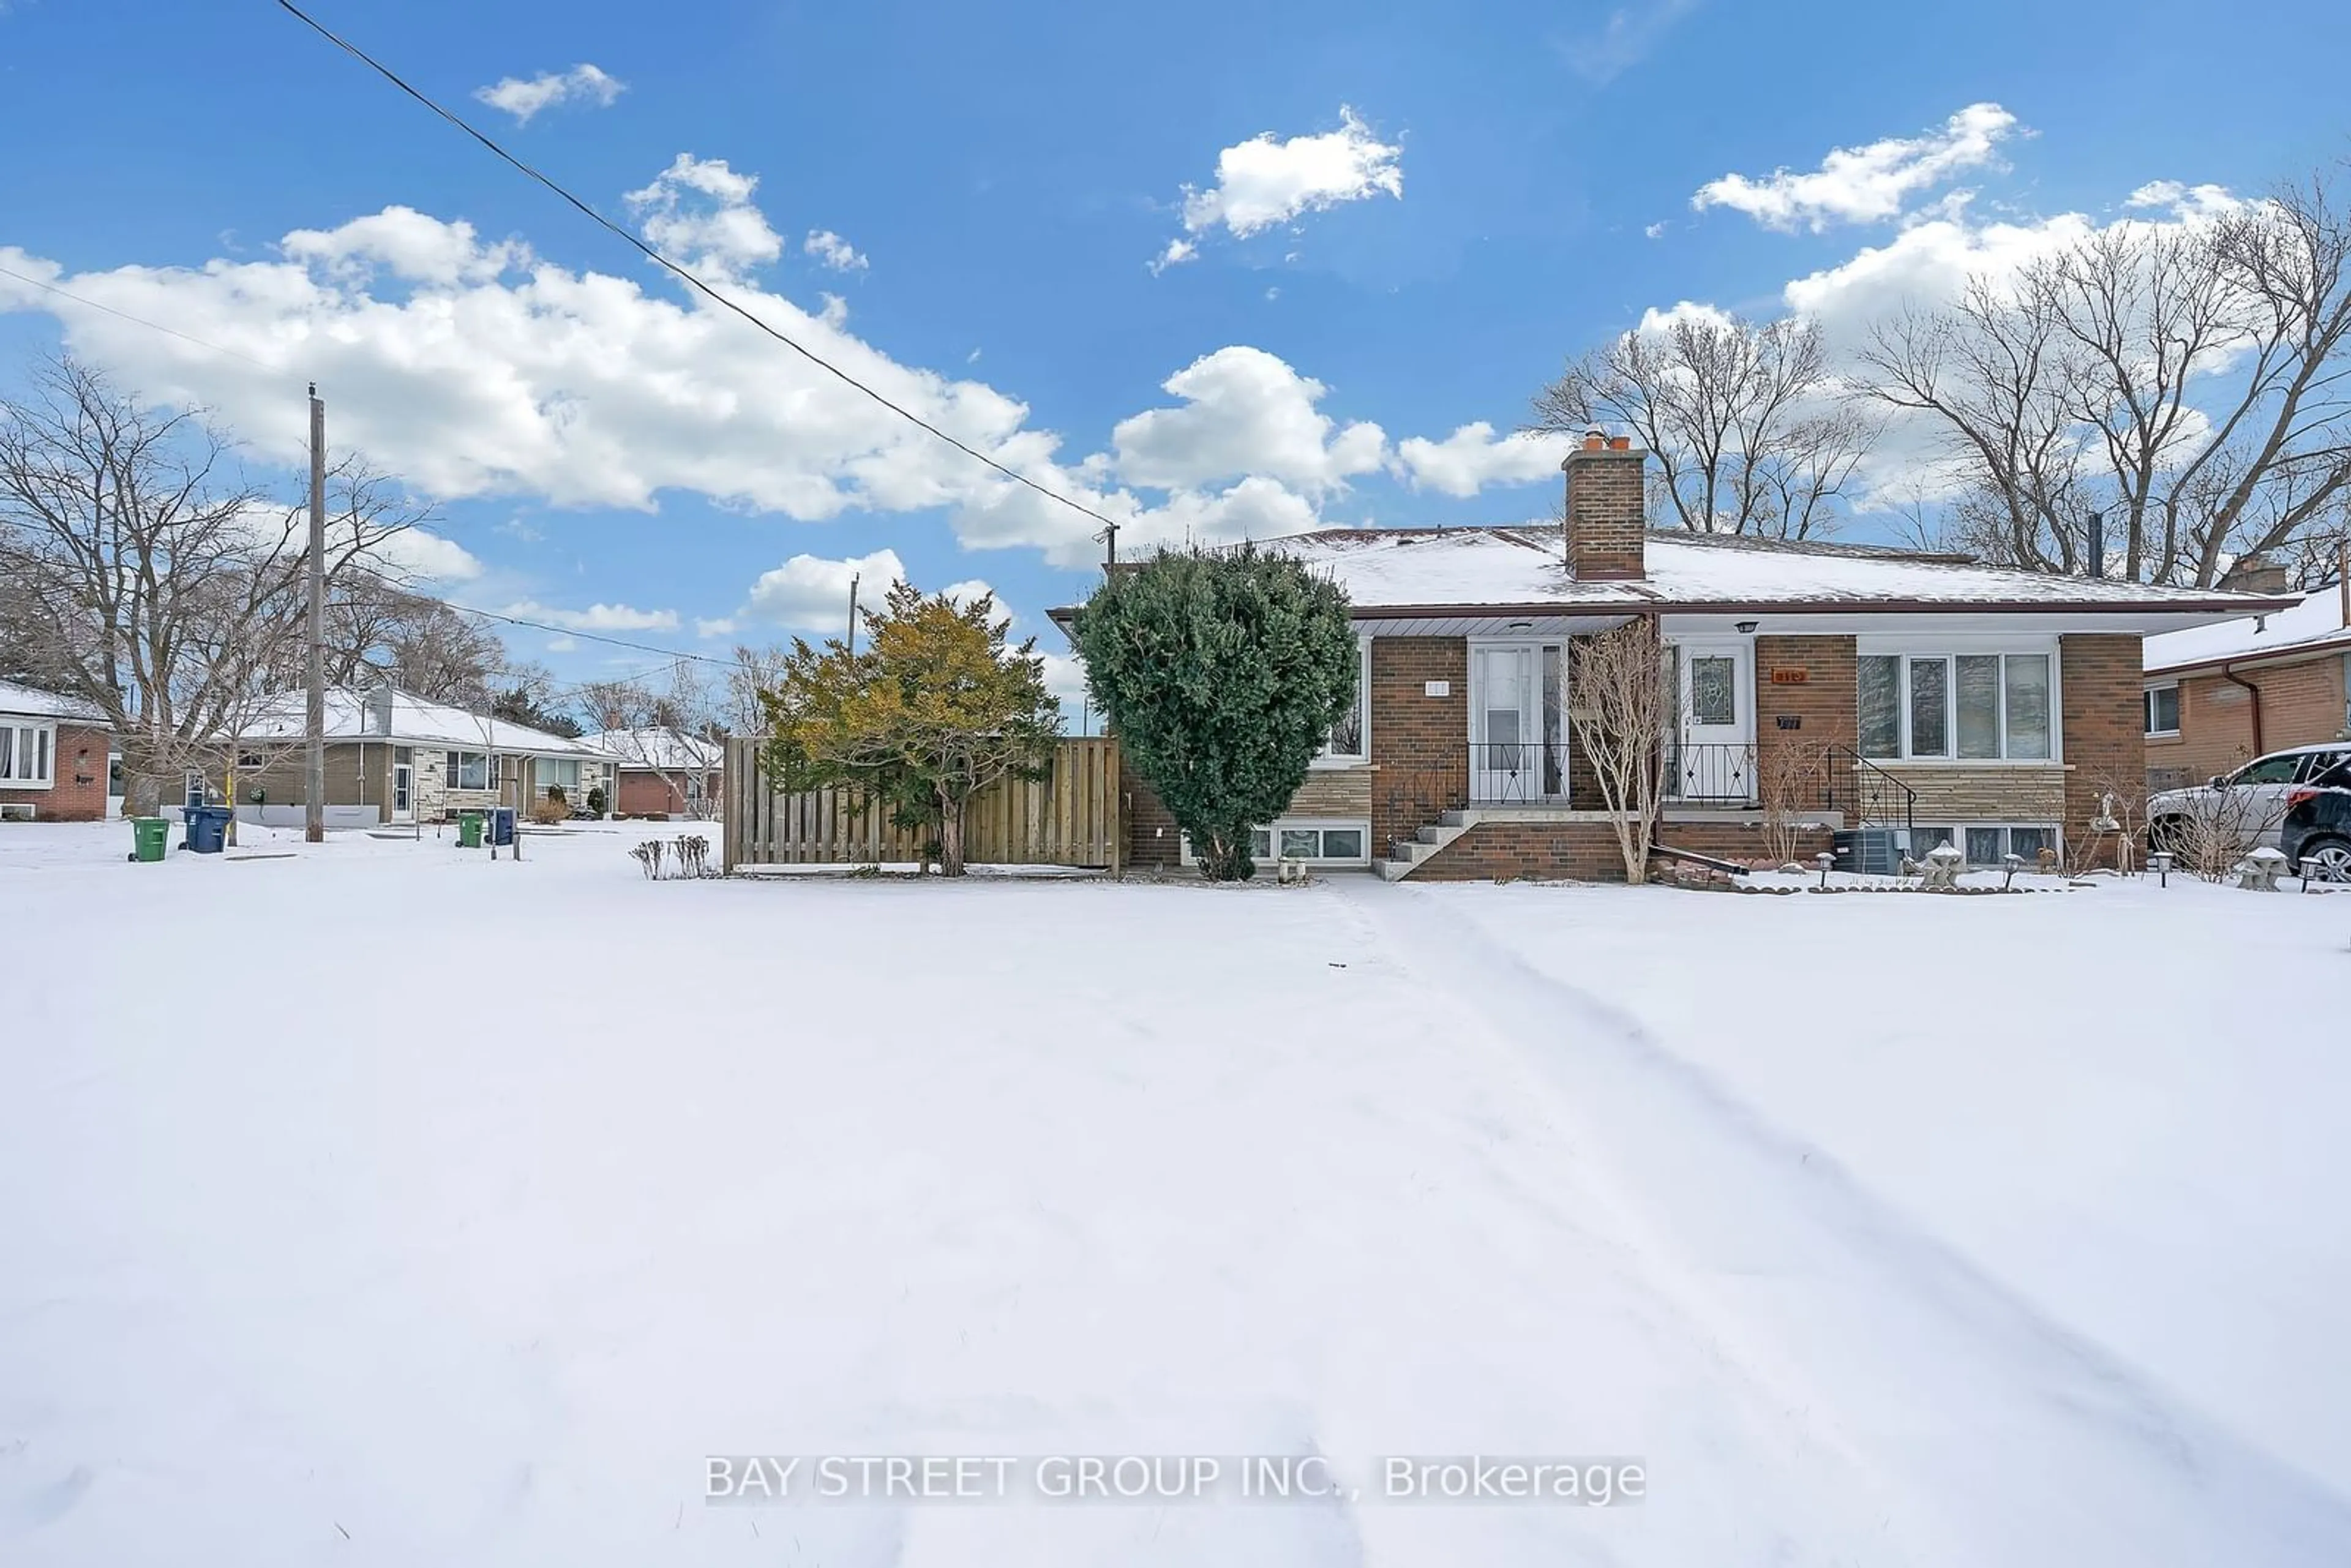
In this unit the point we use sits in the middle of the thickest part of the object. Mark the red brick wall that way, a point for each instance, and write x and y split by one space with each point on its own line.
1744 842
1153 842
1584 850
2105 725
2301 704
79 756
1607 512
1825 706
1420 743
643 793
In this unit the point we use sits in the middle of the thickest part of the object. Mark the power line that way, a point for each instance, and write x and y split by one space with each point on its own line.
591 637
142 321
654 255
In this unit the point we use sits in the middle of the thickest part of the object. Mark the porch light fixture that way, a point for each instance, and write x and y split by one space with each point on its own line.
1747 628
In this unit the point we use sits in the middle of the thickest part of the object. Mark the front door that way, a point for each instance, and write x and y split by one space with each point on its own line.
403 793
1505 724
1715 757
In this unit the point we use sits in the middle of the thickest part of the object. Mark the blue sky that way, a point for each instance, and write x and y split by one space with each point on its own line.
967 203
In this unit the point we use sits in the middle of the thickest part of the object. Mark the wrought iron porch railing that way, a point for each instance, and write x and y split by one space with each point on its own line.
1710 771
1868 795
1516 773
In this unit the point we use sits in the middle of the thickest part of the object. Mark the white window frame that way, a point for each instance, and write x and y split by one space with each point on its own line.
1299 824
2147 700
453 764
34 737
572 786
1949 649
1325 757
1959 832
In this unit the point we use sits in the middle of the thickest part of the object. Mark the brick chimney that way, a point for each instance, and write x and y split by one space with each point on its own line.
2256 574
1607 510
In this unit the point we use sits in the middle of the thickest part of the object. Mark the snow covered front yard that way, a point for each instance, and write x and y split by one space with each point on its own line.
383 1205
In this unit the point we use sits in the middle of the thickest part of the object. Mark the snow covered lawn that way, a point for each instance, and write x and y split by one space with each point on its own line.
384 1204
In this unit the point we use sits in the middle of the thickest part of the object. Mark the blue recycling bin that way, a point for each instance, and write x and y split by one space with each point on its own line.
208 828
502 825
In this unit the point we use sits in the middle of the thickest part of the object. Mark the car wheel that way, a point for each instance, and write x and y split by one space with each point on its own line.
2327 860
2166 837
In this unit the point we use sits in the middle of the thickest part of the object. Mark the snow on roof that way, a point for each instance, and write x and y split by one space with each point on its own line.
2311 625
657 748
31 702
1525 566
407 718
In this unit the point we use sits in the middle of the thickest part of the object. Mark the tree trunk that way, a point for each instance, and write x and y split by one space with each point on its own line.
142 795
1224 854
950 836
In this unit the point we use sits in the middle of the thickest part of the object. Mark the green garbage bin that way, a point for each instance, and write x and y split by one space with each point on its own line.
469 830
153 837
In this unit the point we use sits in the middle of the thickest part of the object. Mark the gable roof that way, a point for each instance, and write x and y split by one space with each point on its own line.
1391 570
657 748
2315 625
404 716
19 700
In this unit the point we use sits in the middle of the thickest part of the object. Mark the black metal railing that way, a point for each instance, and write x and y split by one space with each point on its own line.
1711 771
1868 795
1516 773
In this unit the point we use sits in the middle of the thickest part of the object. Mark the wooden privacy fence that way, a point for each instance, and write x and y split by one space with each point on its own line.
1071 817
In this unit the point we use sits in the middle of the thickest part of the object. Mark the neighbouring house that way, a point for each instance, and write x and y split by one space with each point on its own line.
664 772
394 757
53 756
1934 699
2223 694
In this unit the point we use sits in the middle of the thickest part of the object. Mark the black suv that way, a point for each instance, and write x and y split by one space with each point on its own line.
2317 826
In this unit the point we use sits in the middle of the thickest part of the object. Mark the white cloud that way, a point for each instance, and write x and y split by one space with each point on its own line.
970 590
724 234
524 97
1469 459
428 557
718 626
1263 181
472 367
1178 251
1865 184
1625 40
2183 200
833 251
563 643
1244 411
1655 230
595 617
811 593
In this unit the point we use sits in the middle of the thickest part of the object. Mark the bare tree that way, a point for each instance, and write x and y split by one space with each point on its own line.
755 669
379 629
674 730
2065 392
1750 433
1621 685
151 579
1791 781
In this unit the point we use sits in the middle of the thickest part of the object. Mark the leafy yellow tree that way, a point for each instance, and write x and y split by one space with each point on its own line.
933 709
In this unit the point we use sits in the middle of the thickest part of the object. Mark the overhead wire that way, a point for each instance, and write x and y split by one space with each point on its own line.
680 271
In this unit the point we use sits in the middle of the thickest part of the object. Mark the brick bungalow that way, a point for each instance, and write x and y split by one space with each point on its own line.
2220 696
1945 701
394 757
53 757
664 772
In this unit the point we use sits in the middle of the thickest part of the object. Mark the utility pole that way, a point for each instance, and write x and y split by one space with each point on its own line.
853 612
313 716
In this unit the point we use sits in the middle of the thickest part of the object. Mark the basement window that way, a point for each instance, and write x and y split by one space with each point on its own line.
1315 842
